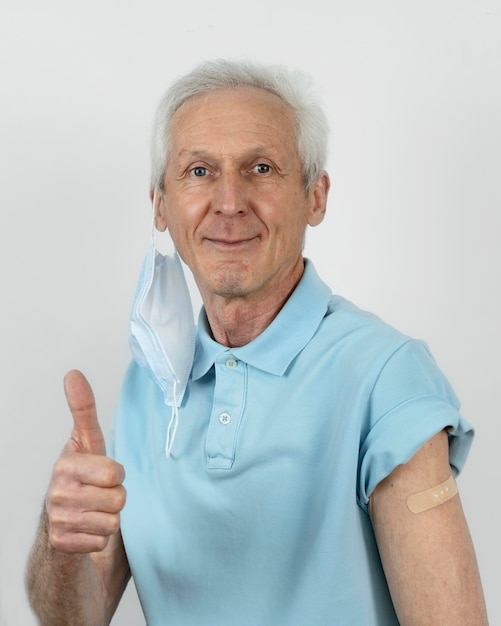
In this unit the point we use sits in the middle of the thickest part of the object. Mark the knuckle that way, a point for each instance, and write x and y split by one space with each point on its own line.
56 520
99 543
60 469
106 471
114 524
65 470
120 498
58 540
121 470
112 472
55 497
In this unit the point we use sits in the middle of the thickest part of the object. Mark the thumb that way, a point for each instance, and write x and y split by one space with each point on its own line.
87 436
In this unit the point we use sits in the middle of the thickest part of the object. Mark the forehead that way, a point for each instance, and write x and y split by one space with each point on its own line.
230 116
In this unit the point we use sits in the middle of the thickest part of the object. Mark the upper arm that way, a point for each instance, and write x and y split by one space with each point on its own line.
113 569
428 558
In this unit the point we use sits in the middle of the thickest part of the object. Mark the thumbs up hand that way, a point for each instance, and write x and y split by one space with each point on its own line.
85 495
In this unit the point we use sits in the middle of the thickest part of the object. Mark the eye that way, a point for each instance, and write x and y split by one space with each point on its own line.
262 168
199 171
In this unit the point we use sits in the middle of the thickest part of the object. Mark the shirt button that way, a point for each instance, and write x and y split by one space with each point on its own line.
225 418
231 364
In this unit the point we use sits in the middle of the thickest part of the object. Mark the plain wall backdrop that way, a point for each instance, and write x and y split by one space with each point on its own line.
413 93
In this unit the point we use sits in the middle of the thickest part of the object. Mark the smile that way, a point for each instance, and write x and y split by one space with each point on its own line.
231 244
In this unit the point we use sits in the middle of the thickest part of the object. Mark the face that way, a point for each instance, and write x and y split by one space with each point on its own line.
234 200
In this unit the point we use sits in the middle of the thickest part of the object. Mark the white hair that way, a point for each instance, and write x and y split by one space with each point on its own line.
293 87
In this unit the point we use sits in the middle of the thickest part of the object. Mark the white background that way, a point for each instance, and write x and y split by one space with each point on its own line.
413 93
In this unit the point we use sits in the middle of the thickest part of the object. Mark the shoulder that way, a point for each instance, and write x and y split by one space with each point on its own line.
364 336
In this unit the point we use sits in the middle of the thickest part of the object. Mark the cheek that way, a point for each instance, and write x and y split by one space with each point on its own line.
182 223
187 208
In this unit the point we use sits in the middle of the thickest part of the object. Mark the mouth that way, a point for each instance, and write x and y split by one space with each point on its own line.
231 244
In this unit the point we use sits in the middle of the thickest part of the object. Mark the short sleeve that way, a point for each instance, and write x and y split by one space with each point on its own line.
410 402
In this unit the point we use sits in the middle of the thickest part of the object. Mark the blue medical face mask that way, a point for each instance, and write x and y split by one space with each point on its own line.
162 330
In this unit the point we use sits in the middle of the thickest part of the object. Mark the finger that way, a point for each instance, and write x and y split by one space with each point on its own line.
78 543
63 502
99 524
74 470
103 474
85 531
92 469
63 523
110 501
87 435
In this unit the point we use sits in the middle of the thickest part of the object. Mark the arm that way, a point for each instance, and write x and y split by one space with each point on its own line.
76 589
78 569
428 557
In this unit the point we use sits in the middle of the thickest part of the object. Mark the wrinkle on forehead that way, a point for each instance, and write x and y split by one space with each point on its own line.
228 122
237 97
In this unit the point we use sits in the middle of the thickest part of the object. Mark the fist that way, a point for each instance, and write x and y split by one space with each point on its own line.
85 494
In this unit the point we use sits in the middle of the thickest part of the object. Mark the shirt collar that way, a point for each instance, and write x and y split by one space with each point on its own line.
275 348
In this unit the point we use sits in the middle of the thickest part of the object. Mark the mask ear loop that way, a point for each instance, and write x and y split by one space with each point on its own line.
174 419
173 423
153 218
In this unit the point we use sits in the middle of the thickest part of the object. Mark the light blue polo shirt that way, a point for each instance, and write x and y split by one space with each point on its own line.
259 516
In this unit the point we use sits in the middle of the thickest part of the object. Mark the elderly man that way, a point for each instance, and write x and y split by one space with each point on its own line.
292 464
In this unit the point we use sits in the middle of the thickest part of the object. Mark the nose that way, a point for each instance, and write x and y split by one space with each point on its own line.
229 194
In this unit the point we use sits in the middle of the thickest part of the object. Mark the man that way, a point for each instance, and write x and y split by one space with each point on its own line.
307 476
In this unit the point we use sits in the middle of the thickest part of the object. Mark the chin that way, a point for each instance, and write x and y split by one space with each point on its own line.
229 282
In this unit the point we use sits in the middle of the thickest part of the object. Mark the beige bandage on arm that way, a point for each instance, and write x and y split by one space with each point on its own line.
432 497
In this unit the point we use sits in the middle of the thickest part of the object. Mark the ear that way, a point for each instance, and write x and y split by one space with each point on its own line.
158 201
318 193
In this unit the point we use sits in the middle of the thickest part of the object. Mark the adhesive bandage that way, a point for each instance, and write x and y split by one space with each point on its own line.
432 497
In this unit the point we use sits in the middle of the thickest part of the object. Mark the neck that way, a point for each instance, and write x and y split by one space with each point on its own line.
236 321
